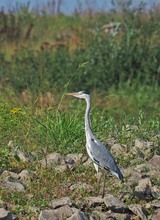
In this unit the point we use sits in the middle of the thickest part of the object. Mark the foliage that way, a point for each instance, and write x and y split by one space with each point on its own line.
130 56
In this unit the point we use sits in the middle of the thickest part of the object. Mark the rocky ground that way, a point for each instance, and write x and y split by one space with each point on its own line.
137 198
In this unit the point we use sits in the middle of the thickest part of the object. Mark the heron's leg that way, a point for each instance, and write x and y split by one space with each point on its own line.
99 183
103 193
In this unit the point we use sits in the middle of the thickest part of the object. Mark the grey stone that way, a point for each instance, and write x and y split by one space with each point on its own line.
117 149
63 212
9 175
81 185
115 204
53 159
143 189
15 186
23 156
74 159
155 161
25 175
98 215
156 215
5 214
156 204
138 210
88 163
48 215
109 142
79 215
93 201
56 203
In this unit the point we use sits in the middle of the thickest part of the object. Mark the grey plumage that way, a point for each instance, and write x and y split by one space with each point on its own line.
98 153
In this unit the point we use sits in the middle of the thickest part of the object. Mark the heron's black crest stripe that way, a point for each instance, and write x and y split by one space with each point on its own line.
85 92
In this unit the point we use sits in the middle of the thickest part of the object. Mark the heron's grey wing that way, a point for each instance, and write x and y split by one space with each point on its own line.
102 157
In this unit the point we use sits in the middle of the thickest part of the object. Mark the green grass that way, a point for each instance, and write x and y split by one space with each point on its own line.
60 128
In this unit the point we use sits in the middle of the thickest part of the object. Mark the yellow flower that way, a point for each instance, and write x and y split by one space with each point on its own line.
15 110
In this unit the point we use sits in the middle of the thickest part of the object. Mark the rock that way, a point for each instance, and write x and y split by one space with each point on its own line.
143 148
93 201
64 212
23 156
5 214
109 142
79 215
96 215
156 204
81 185
61 168
156 215
48 214
155 161
138 210
56 203
89 162
115 204
15 186
118 216
155 191
143 189
75 158
117 149
142 168
9 175
53 159
25 175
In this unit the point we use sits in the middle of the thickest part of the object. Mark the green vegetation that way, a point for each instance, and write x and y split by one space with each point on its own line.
42 57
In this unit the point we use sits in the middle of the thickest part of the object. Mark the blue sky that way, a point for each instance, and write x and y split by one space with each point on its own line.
68 6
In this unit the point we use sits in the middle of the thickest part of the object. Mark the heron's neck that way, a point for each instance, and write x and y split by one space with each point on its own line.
87 116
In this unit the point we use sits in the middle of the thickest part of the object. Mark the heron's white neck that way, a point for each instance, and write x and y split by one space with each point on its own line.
87 116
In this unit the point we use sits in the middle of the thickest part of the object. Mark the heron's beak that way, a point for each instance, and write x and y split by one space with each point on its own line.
71 94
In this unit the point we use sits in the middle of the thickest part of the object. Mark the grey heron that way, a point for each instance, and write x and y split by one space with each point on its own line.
98 153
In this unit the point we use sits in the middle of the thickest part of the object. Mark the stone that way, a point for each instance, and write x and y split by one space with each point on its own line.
118 216
53 159
96 215
143 189
138 210
79 215
115 204
9 175
117 150
89 162
63 212
156 215
56 203
23 156
15 186
156 204
109 142
81 185
155 191
155 161
75 158
142 168
61 168
93 201
47 214
5 214
25 175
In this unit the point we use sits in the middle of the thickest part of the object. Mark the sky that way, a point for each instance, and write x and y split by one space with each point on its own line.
69 6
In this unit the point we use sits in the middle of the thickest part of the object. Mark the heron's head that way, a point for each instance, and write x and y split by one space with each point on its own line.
80 95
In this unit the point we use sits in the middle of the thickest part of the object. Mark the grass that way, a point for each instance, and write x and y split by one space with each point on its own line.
60 128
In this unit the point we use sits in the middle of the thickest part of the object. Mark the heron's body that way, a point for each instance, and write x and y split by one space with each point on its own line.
98 153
